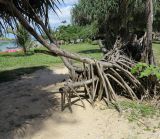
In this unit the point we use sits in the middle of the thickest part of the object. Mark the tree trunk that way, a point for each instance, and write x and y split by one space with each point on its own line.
24 50
149 57
124 16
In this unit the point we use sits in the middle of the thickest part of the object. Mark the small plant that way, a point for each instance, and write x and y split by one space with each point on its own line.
149 76
23 39
139 109
138 112
145 70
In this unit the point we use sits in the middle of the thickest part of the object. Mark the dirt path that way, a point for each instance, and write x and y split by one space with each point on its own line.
30 109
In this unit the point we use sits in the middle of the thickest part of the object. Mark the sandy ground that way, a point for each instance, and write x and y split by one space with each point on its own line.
30 109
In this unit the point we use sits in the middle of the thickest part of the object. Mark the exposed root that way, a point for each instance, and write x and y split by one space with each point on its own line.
104 80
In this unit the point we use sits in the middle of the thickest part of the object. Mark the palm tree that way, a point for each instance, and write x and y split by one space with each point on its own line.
23 38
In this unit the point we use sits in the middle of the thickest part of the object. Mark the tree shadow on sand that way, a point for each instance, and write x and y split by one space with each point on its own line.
10 75
22 102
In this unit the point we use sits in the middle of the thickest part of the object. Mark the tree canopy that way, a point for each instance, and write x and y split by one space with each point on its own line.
33 11
74 32
114 17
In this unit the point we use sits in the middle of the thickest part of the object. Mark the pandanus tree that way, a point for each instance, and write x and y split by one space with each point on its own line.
122 18
23 38
102 79
111 16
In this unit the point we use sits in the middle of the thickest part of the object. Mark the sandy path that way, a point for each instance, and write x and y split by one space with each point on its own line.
30 110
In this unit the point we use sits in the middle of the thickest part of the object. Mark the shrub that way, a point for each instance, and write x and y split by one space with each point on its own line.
145 70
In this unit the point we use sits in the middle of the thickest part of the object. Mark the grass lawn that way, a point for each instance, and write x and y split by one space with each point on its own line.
156 49
12 61
12 65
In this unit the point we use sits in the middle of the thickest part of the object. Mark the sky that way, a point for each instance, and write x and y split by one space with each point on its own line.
64 14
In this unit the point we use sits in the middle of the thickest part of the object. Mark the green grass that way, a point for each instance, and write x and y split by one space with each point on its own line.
156 49
19 60
13 65
138 110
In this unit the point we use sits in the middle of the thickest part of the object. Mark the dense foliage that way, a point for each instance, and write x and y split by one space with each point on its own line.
74 32
114 17
23 38
156 23
11 10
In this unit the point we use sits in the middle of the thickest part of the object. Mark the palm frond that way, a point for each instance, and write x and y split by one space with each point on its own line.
28 8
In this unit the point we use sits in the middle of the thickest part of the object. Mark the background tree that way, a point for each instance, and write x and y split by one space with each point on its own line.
116 18
149 14
23 38
73 32
156 19
117 15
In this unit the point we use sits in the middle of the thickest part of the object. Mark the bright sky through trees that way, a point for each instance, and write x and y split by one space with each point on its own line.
63 15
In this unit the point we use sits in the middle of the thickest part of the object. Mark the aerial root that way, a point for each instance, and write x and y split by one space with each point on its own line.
101 82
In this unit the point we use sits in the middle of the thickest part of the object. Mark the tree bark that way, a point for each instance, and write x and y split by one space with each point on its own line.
149 52
25 50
